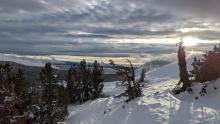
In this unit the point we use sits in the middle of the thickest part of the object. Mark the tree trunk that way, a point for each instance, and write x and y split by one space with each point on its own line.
184 77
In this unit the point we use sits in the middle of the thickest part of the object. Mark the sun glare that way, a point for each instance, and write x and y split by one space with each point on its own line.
191 41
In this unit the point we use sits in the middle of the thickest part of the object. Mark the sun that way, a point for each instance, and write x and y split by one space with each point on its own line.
191 41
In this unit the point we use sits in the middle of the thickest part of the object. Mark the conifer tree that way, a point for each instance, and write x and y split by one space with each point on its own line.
20 83
85 81
75 85
97 80
12 92
209 69
133 88
71 84
53 107
196 64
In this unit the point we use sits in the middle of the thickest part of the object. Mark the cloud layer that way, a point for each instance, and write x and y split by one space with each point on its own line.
27 24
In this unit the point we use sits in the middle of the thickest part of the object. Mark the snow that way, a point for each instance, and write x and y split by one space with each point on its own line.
115 113
9 99
111 89
62 83
156 106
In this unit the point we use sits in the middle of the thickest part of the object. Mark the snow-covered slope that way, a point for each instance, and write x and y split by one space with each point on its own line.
156 106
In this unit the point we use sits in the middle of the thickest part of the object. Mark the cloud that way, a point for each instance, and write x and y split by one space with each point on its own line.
198 8
204 35
25 5
96 18
33 25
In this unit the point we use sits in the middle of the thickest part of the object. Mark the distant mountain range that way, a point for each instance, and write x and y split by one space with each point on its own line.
32 72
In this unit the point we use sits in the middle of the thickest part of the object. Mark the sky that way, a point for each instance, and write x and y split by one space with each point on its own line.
106 28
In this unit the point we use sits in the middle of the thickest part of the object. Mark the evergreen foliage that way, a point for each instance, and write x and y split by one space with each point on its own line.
13 92
196 64
97 80
53 104
208 68
85 81
205 69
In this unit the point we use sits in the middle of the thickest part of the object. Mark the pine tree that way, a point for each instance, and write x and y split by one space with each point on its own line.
48 81
74 84
85 82
210 65
53 107
71 84
196 64
12 92
133 88
97 80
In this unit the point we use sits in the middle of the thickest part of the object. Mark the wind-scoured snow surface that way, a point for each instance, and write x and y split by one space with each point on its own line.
156 106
